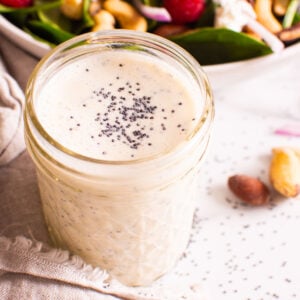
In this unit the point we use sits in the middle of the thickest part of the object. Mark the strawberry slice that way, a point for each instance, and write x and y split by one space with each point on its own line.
16 3
184 11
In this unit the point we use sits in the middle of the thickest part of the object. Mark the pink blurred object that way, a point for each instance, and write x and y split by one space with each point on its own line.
289 130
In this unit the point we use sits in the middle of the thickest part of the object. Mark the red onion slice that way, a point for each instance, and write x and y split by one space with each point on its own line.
152 12
272 40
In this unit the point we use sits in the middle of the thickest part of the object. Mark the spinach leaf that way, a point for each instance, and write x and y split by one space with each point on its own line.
296 18
48 5
36 37
86 17
6 9
220 45
208 17
54 18
17 18
50 33
153 2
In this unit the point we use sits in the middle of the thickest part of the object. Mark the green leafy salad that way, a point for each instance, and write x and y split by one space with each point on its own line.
213 31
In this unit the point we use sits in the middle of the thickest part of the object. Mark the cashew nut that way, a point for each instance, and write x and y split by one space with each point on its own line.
263 9
72 9
280 7
94 7
103 20
167 30
290 34
127 16
285 171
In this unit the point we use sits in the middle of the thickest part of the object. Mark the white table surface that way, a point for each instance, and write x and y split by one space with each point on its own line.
239 252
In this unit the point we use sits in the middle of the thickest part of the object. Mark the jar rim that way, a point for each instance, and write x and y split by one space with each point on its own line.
120 36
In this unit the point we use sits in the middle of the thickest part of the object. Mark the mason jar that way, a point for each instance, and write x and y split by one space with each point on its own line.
133 216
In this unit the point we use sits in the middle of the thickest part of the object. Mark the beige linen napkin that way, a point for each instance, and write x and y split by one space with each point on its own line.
11 125
31 270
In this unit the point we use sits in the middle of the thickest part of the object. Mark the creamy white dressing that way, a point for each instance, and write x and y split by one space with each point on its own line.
117 106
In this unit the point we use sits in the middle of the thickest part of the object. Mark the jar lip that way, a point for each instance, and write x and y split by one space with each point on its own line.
120 36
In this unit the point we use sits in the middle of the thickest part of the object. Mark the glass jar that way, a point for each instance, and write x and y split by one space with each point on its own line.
132 218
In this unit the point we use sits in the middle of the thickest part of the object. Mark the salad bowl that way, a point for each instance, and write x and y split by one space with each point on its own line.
220 75
22 39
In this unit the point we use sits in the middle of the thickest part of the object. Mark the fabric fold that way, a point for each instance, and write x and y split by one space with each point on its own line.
24 256
33 268
11 118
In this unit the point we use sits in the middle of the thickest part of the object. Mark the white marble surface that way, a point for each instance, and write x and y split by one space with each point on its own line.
238 252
